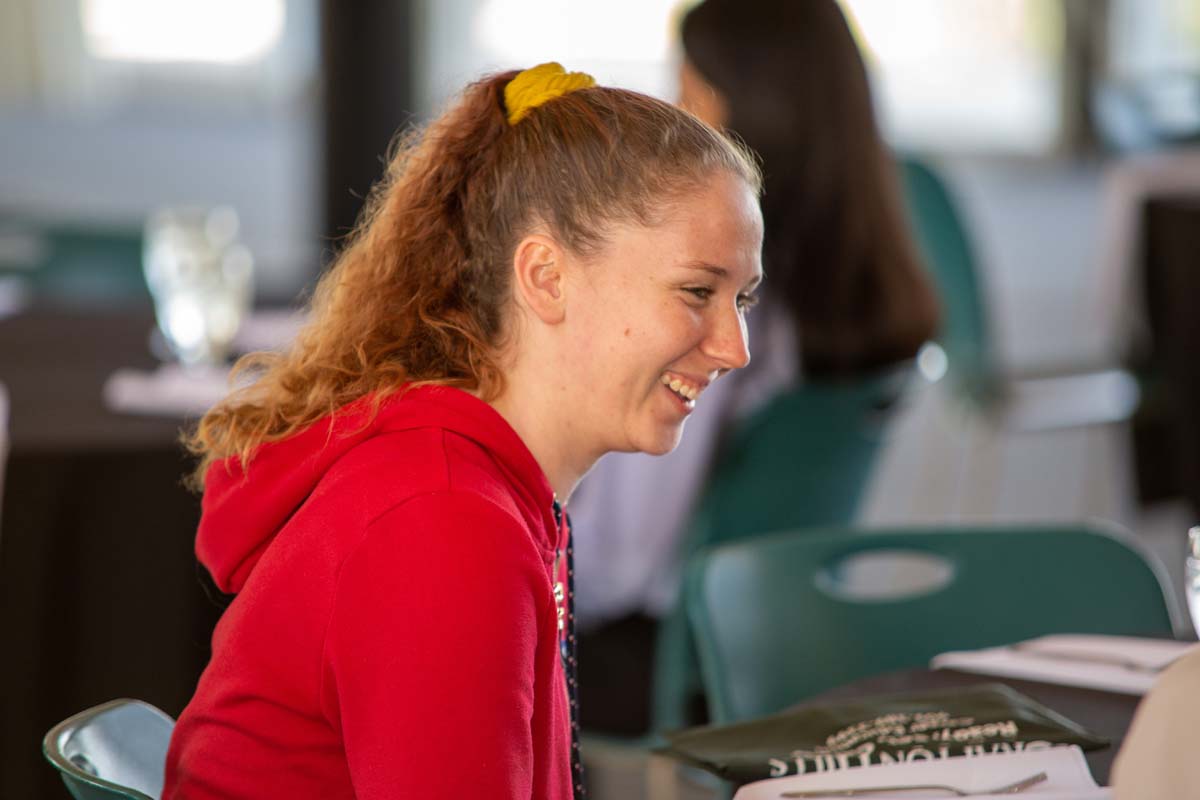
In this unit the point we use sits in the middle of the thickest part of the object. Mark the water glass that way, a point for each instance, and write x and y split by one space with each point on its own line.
1192 576
201 280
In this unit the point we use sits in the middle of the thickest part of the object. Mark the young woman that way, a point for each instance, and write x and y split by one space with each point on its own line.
849 296
550 271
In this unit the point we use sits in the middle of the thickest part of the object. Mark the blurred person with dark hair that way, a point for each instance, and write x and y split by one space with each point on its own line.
550 271
848 295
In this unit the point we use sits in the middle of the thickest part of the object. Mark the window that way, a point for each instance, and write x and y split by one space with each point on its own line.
948 74
622 42
1153 79
204 56
202 31
964 74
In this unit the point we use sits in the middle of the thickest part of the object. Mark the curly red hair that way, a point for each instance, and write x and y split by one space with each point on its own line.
420 291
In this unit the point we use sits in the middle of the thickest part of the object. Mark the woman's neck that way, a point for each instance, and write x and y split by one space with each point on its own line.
548 435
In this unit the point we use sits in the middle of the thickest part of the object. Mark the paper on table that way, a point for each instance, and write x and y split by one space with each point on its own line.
1122 664
15 295
1067 777
170 390
173 391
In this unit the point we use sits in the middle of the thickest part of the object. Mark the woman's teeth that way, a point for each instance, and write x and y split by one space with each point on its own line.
680 388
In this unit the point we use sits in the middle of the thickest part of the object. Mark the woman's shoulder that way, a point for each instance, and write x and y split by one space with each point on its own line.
423 471
390 466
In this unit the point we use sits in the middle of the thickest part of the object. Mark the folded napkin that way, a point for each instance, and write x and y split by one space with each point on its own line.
1122 664
1067 777
170 390
15 295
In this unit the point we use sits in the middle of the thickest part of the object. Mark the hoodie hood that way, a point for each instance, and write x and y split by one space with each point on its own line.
243 510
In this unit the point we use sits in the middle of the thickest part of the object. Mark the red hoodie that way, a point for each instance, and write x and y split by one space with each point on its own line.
395 631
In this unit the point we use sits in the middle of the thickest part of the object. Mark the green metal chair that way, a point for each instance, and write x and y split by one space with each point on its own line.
1062 399
942 238
778 620
114 750
803 460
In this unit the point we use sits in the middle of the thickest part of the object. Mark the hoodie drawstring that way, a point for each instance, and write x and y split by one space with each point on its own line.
567 651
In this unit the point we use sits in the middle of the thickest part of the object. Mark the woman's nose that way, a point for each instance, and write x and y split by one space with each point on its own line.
728 343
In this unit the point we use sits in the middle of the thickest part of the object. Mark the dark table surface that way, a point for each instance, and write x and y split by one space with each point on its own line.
98 582
1104 713
54 363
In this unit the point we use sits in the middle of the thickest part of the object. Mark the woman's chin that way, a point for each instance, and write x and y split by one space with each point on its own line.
654 437
662 442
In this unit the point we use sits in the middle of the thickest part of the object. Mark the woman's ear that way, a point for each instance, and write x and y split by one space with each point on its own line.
538 278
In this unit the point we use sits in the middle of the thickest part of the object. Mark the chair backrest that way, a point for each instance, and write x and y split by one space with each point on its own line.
942 237
76 263
803 460
92 264
776 622
115 750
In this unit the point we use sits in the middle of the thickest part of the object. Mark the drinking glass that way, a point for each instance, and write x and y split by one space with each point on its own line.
1192 576
201 280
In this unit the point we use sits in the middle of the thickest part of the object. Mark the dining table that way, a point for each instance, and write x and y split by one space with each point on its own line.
101 593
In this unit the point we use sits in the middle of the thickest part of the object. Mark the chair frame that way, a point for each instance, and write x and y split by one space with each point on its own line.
53 751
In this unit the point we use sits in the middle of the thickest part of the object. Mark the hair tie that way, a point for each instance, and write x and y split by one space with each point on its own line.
536 85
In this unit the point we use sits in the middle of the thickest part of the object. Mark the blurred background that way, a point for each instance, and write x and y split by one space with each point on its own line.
1067 132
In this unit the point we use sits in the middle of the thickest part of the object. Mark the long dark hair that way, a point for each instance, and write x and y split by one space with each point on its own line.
837 249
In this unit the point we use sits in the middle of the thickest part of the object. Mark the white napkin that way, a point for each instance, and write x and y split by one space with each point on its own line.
15 295
1122 664
170 390
1068 777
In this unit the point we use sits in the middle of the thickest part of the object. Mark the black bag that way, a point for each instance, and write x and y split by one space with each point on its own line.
906 726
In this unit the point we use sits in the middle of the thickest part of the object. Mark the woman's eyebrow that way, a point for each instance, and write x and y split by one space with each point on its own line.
704 266
722 272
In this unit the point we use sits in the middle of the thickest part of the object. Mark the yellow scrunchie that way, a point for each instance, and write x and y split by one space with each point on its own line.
538 84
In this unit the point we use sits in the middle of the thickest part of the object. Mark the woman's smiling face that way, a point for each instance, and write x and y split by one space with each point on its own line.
658 315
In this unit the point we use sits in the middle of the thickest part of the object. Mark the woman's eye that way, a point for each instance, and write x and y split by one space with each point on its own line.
747 301
700 292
